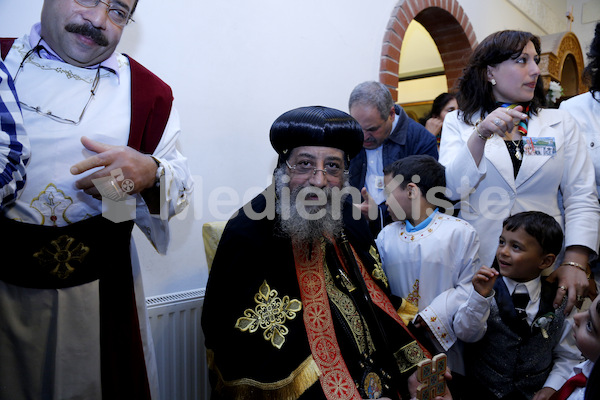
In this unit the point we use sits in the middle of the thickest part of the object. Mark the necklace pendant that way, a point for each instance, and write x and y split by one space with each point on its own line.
372 386
518 154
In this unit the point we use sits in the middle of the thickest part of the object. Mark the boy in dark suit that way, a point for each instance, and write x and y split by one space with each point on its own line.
520 346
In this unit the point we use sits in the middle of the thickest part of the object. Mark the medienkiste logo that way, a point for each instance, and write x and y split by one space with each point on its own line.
117 204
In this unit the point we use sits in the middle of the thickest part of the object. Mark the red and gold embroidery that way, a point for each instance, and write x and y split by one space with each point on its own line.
433 225
335 378
336 381
413 297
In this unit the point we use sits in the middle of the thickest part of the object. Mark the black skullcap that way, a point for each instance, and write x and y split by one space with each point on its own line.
316 126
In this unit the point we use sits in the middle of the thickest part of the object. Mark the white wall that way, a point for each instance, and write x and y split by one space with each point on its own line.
235 66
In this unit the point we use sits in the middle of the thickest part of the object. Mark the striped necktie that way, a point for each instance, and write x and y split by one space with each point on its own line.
522 124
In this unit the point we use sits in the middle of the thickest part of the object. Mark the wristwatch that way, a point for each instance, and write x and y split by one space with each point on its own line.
160 171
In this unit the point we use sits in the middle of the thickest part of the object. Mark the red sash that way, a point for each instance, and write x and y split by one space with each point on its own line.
5 45
336 381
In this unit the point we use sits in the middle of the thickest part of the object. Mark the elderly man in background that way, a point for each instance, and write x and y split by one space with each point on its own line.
389 135
296 304
72 309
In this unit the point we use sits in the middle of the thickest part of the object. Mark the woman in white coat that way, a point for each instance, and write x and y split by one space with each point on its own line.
585 109
504 153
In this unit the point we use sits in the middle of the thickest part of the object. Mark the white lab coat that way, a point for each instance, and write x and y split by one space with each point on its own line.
562 185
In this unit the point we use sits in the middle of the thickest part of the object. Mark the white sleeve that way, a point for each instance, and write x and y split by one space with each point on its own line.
14 144
380 243
462 173
470 321
438 315
578 188
175 187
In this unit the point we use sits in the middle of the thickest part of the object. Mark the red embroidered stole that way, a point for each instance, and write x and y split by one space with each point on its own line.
336 381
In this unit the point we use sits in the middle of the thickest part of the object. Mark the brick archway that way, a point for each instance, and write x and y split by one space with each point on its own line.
447 24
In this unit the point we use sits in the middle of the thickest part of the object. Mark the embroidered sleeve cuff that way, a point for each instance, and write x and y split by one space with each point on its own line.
175 190
444 334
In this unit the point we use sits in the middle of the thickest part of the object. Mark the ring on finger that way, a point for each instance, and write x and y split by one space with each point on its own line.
563 288
497 122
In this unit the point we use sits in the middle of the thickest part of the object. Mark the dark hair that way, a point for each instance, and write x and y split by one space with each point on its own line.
592 389
474 90
439 103
437 106
591 73
541 226
135 3
428 169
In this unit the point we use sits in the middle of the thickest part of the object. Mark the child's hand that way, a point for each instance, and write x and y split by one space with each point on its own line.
413 384
544 394
484 279
368 207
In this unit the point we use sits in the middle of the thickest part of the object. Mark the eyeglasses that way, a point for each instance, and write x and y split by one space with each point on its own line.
330 169
49 113
118 14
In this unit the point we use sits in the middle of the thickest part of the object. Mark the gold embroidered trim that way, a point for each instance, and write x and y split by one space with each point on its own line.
378 272
413 297
409 356
423 233
270 314
289 388
50 202
336 381
60 259
360 331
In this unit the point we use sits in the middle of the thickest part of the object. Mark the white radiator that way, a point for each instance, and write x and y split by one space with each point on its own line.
179 344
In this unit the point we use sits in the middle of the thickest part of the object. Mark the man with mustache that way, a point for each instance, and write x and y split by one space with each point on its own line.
296 303
103 135
390 134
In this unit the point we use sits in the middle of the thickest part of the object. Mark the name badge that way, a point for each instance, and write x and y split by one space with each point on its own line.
379 184
539 146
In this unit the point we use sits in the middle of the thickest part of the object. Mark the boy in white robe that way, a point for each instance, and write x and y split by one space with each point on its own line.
428 256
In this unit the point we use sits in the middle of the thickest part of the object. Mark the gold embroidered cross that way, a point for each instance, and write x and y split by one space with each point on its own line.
62 256
270 314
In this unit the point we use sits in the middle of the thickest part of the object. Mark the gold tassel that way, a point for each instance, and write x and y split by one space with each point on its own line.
407 311
289 388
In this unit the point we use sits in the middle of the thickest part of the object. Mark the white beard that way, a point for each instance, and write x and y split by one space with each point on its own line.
302 222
